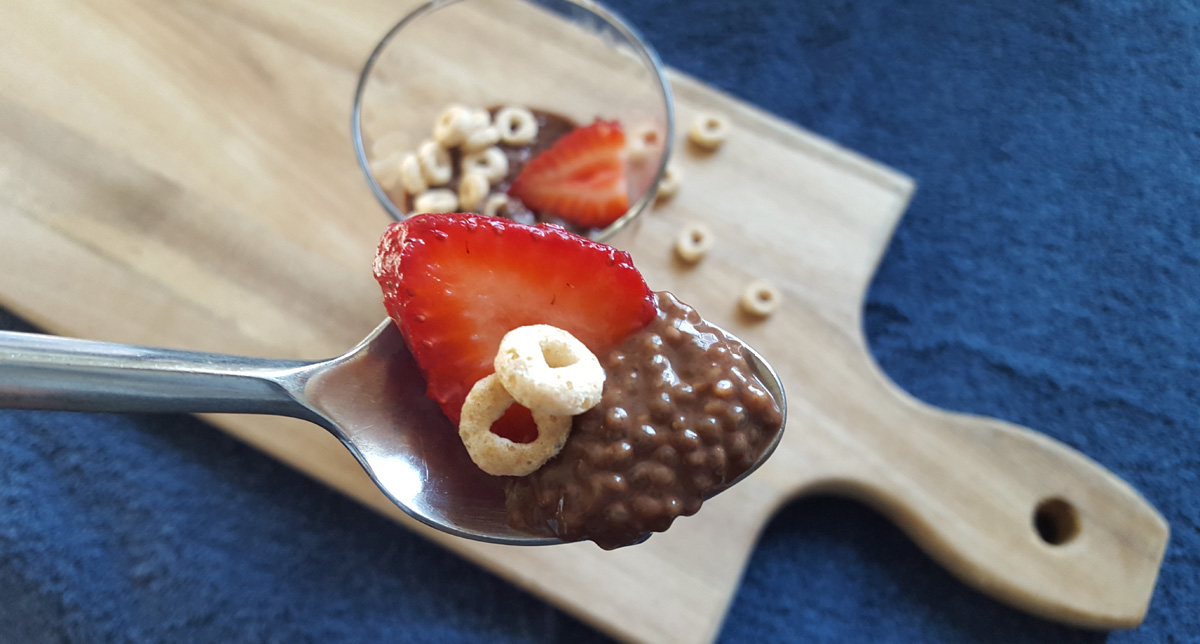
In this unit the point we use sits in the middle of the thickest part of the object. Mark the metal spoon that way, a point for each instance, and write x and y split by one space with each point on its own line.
372 399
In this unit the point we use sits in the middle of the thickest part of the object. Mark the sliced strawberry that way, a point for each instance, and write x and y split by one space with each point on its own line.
580 178
455 284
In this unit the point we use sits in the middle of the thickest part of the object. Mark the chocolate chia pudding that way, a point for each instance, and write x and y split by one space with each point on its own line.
551 128
682 416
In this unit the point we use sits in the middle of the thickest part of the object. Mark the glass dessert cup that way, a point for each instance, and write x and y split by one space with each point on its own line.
571 58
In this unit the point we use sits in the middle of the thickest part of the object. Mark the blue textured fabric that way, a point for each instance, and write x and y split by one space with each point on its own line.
1046 273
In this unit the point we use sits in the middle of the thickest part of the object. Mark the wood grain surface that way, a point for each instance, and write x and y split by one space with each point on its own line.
181 175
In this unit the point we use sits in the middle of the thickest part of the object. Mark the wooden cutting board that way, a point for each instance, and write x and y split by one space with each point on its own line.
181 175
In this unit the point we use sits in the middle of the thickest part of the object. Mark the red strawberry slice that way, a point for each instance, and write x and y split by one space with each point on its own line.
580 178
455 284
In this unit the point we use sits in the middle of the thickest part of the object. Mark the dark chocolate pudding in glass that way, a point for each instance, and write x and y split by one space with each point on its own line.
551 128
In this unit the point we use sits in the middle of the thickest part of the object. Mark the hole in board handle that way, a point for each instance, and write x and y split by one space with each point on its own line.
1056 521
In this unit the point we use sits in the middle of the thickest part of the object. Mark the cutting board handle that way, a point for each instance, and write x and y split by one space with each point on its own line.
1018 515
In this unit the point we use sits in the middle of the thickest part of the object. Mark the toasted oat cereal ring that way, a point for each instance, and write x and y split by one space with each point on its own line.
472 190
669 184
494 203
709 130
388 172
484 137
641 142
694 242
491 162
480 118
436 200
760 298
497 455
452 126
435 163
546 369
411 177
517 125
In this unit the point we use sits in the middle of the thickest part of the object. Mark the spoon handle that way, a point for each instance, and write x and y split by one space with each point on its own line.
54 373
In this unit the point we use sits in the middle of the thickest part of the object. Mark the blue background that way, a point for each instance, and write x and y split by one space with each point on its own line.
1046 273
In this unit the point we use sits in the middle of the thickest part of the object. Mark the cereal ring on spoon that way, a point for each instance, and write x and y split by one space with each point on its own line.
496 455
546 369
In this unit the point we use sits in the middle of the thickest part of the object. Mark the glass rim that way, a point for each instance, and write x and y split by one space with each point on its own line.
645 52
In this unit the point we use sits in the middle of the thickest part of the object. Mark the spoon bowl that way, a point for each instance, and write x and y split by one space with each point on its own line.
371 398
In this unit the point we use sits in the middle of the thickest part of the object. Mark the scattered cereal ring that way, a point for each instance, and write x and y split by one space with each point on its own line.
494 204
481 138
546 369
438 200
411 177
669 184
472 190
435 163
517 125
694 242
760 298
491 162
709 130
499 456
451 126
641 142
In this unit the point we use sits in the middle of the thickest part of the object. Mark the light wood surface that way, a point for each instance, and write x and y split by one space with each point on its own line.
180 175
